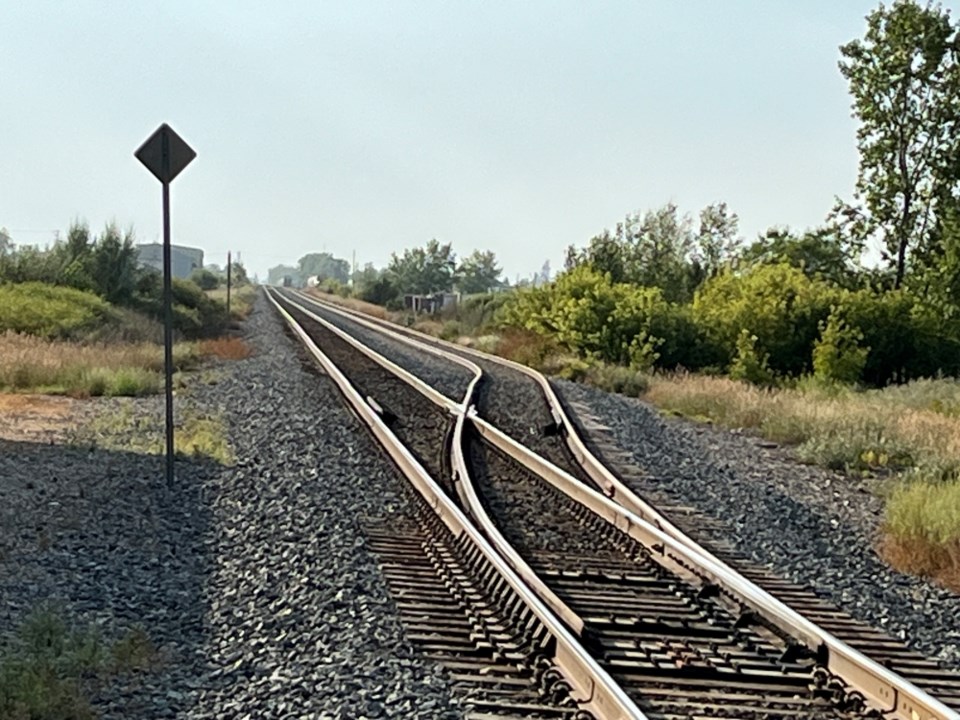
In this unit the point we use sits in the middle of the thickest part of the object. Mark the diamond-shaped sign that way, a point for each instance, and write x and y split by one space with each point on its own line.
165 154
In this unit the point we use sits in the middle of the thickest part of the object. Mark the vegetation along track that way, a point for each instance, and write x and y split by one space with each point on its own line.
701 638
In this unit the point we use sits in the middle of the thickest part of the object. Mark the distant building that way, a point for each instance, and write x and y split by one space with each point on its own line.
183 260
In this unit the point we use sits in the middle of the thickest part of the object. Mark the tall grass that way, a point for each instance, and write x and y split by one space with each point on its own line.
29 363
911 432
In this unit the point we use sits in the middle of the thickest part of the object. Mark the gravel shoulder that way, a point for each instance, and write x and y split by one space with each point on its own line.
813 526
251 579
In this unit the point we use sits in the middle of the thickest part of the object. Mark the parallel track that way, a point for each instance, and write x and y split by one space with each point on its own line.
682 633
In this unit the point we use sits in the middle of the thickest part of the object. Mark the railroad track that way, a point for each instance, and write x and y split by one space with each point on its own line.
571 595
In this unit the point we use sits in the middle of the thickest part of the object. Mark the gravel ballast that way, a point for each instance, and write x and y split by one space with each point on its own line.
252 580
447 377
811 525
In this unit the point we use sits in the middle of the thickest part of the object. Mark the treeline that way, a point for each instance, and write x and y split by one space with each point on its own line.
106 265
432 268
658 292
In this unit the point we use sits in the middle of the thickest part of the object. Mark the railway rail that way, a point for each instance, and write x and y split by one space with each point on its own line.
621 614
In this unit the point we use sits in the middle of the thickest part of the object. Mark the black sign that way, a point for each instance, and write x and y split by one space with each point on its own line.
165 154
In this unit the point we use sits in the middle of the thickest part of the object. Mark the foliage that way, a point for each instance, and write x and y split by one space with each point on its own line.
423 270
32 364
205 279
324 266
821 254
585 312
660 249
904 77
48 311
838 356
478 273
276 275
749 363
777 304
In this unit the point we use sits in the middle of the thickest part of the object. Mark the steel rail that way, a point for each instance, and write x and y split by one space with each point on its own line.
593 688
466 491
620 506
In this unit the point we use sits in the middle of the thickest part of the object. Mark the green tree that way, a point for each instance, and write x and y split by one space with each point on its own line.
905 82
6 242
820 254
324 266
718 238
479 272
424 269
113 265
238 275
206 279
275 275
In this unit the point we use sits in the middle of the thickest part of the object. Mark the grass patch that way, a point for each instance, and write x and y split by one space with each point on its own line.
46 666
910 433
241 299
923 528
226 348
362 306
34 364
196 434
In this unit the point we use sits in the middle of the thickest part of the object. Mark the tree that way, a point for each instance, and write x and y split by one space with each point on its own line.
206 279
718 237
905 81
113 265
324 266
423 270
238 275
479 272
275 275
6 242
820 254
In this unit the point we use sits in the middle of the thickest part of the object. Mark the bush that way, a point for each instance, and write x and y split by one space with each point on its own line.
777 304
617 379
749 364
450 331
838 355
583 311
49 311
205 279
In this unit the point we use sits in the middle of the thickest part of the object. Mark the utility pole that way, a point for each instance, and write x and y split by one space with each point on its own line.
228 285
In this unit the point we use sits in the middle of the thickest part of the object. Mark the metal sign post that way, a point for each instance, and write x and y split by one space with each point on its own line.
165 154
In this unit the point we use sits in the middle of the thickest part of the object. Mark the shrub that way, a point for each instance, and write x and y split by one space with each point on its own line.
204 279
777 304
838 355
617 379
451 330
49 311
750 364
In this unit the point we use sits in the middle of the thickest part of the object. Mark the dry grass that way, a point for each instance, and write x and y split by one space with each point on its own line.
912 431
351 303
32 364
241 299
226 348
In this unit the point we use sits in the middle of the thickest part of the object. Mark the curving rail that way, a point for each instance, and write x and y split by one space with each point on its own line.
618 505
594 689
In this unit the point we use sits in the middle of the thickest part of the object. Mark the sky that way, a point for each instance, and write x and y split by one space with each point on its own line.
369 127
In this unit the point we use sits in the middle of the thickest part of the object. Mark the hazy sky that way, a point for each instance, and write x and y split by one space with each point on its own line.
520 127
